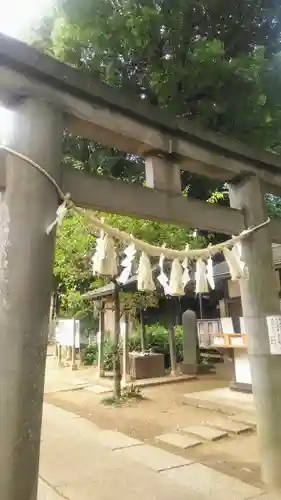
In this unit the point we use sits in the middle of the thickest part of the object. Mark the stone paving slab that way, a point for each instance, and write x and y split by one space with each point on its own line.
98 389
45 492
273 495
135 482
210 484
245 418
224 400
55 413
179 440
228 425
205 432
72 424
154 458
80 381
115 440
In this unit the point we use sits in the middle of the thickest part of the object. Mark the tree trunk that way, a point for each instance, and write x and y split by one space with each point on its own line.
125 357
116 356
173 355
142 332
101 341
172 339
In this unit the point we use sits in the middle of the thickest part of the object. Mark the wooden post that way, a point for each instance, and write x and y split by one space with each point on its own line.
26 259
173 355
101 341
125 342
172 339
142 332
59 360
116 357
200 305
73 349
260 299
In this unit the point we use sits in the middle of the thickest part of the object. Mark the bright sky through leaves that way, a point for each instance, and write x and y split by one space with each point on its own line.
16 17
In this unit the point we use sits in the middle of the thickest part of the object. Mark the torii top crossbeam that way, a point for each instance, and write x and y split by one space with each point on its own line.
98 111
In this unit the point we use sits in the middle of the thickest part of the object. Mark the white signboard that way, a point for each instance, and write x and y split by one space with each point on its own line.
274 333
237 340
227 325
65 332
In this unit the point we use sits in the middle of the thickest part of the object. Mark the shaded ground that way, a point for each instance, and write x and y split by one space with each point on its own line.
163 410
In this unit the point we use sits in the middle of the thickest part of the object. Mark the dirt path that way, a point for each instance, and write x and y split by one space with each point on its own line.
163 410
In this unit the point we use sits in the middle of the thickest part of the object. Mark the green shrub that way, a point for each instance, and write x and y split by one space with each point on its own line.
108 355
157 339
157 336
179 342
135 342
129 394
90 356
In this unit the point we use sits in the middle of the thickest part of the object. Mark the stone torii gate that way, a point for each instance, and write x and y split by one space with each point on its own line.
47 97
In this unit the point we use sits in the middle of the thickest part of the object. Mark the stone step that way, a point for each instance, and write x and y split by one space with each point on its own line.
179 440
115 440
45 492
98 389
228 425
273 495
154 458
245 418
205 432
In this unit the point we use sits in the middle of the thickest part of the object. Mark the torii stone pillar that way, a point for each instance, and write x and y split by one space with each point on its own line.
26 261
259 299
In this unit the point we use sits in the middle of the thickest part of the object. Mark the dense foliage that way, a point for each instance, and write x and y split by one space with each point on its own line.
211 61
216 63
